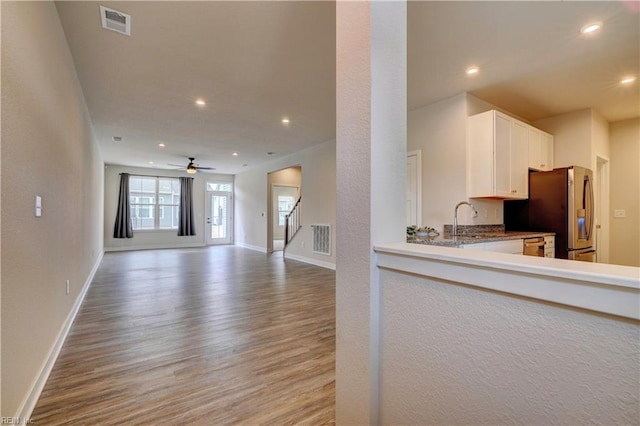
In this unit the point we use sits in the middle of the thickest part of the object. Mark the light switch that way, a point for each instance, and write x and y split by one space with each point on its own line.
619 213
38 206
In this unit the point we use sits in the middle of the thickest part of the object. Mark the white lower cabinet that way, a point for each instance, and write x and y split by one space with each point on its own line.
508 246
550 247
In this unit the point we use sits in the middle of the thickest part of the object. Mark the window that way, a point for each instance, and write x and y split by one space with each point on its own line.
285 204
155 202
219 186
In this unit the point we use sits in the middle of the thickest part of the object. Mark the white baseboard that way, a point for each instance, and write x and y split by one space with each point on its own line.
29 403
250 247
315 262
155 247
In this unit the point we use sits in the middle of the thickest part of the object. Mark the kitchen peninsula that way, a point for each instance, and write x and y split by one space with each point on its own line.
475 235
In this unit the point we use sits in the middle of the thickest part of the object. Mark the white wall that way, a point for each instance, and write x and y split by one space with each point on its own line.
454 354
439 130
371 187
318 206
48 149
154 239
625 192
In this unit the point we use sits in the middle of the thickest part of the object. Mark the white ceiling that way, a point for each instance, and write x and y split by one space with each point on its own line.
533 60
257 62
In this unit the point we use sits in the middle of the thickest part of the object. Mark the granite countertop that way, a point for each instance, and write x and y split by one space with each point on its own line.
474 234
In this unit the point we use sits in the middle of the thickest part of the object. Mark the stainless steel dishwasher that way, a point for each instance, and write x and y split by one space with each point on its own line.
533 246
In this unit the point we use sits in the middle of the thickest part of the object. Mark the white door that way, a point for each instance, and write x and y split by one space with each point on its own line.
414 187
602 209
218 224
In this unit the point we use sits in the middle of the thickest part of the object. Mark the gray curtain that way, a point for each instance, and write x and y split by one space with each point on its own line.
186 226
123 227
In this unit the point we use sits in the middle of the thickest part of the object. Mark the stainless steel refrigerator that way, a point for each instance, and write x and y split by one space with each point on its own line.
560 201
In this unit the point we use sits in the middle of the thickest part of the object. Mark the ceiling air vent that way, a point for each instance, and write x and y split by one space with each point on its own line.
115 21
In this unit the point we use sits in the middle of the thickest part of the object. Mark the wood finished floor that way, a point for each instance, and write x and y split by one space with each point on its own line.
220 335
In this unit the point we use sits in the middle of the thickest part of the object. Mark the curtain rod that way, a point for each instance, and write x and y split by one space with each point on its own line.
155 176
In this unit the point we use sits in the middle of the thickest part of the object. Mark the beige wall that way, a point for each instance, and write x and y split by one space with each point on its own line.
439 130
318 165
625 192
48 149
572 138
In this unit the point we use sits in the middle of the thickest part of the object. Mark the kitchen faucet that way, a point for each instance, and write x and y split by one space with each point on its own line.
455 215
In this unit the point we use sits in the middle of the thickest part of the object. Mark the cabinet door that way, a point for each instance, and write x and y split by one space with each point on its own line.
546 151
535 142
510 246
502 155
519 160
549 247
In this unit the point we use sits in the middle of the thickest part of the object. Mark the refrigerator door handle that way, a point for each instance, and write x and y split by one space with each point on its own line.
589 205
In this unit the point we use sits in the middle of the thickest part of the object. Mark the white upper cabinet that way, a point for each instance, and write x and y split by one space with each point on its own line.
497 156
540 150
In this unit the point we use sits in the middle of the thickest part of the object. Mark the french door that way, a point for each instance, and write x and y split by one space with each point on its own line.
218 224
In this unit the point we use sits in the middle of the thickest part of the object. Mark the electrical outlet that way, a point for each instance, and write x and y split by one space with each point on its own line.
302 244
619 213
67 288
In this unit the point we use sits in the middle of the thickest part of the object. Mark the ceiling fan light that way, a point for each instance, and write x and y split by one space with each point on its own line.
191 170
473 70
591 28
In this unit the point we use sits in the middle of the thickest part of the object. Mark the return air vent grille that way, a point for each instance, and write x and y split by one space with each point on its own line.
321 239
115 21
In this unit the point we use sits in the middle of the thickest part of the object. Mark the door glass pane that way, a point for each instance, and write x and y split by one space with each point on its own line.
219 216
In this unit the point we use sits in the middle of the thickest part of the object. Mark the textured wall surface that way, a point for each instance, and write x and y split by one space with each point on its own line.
48 149
353 174
453 354
371 187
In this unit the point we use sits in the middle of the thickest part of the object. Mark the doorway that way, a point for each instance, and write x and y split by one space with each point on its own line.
283 199
414 188
284 189
602 209
218 218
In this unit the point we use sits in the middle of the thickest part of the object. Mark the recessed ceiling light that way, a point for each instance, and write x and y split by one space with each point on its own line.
286 121
628 80
150 162
161 145
200 102
235 154
472 70
591 28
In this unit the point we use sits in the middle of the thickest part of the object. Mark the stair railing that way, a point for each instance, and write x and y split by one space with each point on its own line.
292 222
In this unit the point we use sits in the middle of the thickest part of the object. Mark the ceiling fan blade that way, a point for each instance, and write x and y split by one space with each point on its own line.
176 165
205 168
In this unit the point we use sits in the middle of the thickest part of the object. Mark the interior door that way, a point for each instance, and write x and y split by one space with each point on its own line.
218 218
414 188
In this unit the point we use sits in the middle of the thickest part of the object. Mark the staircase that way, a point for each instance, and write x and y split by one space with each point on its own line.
292 222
